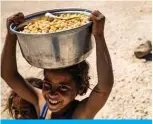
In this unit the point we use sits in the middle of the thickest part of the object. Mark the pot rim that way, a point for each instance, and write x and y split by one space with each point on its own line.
55 11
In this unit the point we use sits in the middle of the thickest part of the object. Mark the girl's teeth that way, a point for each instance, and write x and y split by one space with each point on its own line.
53 101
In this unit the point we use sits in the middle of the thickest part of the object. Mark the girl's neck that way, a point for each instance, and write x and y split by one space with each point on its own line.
63 112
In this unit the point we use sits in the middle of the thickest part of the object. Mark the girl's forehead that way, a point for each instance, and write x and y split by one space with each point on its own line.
16 99
19 102
58 76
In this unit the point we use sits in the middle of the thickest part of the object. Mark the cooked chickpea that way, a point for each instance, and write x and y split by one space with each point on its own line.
47 25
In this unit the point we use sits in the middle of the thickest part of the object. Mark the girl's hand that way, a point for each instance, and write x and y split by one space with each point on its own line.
16 19
98 23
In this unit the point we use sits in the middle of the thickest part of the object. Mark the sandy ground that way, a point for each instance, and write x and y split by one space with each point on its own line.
126 24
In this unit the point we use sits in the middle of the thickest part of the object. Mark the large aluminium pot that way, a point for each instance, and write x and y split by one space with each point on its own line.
55 50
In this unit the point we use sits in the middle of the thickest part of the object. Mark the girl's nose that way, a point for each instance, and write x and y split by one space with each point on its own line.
53 96
54 89
19 116
53 92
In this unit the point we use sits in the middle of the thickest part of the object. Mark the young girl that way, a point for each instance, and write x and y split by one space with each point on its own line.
61 86
19 108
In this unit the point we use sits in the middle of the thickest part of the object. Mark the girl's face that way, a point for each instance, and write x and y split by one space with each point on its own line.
58 90
22 109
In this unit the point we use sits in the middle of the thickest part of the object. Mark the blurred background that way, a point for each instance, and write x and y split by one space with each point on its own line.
128 24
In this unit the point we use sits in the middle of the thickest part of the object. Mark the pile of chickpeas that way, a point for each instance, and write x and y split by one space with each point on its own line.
47 25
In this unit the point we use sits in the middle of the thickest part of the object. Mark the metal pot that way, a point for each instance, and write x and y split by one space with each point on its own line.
55 50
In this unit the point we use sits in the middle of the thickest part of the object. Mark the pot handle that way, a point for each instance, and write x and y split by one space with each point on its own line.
12 27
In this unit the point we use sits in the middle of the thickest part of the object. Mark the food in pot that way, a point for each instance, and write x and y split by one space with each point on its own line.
46 25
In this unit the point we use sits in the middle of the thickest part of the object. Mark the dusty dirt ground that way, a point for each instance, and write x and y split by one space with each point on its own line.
128 24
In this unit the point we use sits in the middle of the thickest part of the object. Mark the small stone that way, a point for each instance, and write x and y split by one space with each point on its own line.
139 38
143 49
146 113
133 97
113 97
144 60
123 80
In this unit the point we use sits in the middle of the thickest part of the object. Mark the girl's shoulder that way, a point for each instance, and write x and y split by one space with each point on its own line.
41 100
80 112
40 97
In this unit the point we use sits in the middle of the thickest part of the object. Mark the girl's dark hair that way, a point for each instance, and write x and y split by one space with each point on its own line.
10 102
79 73
35 82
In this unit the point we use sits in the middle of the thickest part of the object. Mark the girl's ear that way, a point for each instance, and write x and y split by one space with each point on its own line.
82 90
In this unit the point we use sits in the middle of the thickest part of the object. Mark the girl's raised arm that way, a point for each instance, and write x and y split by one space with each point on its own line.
98 97
9 71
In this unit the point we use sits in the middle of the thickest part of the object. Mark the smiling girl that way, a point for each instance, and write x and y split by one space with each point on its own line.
61 86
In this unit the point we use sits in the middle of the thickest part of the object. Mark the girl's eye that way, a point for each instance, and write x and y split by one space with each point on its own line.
25 112
47 85
16 111
64 88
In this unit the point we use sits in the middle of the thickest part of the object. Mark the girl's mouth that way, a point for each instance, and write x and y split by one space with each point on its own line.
53 102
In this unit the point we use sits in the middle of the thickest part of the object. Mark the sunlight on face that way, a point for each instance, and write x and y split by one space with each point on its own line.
58 90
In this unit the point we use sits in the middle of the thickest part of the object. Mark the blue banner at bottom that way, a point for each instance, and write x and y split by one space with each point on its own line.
76 121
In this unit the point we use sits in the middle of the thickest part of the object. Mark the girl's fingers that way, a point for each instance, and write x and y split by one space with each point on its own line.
95 12
98 15
92 17
16 18
96 18
9 21
19 18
